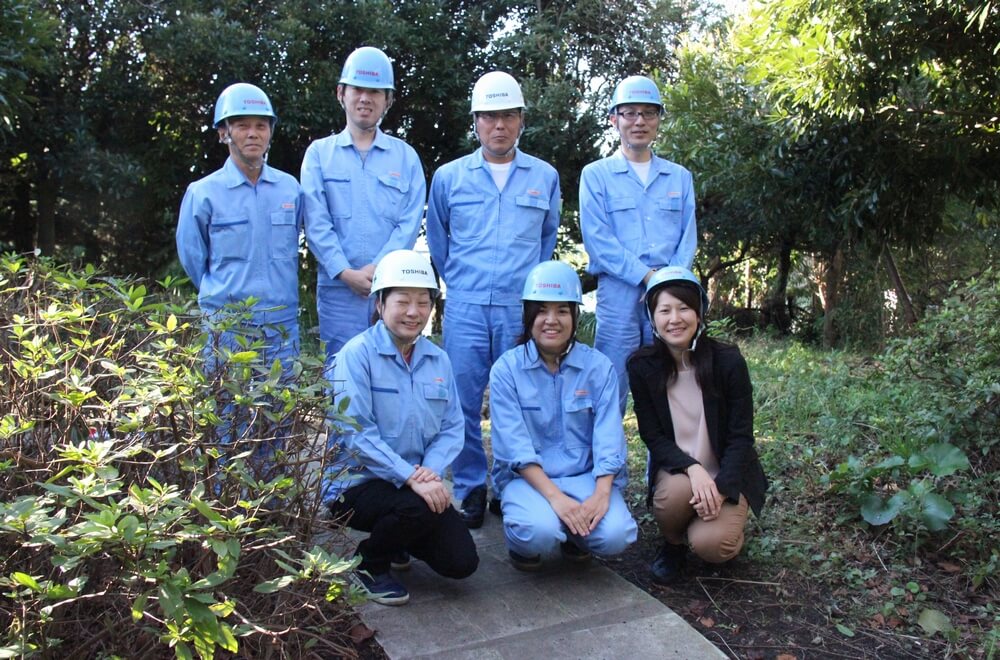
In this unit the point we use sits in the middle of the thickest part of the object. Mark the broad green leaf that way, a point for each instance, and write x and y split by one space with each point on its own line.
25 580
936 511
934 621
270 586
942 460
171 323
877 511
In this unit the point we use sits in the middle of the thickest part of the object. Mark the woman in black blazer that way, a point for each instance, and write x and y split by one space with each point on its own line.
694 405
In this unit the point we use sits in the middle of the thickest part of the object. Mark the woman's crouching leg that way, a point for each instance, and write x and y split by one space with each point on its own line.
720 540
446 545
616 531
531 527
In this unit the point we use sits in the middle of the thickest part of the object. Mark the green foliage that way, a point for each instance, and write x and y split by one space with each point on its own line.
907 439
149 507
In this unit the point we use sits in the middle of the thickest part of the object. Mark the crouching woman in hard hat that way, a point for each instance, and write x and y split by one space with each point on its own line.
401 392
694 406
558 442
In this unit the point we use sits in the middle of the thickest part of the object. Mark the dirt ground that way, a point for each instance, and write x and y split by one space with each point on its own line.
751 614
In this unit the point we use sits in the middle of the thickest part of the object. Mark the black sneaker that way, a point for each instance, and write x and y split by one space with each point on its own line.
384 589
400 561
571 552
495 507
522 563
669 563
474 507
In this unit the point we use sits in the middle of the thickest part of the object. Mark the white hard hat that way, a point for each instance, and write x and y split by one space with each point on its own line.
404 268
496 91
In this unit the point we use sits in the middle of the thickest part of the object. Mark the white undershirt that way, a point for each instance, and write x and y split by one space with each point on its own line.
500 173
641 170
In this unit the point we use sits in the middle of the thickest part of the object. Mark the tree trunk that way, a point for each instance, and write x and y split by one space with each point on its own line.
774 307
22 234
902 295
45 240
831 296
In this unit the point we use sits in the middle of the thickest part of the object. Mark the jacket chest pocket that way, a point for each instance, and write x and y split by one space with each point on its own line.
579 422
529 214
435 401
467 217
337 186
389 193
386 408
623 212
284 235
230 239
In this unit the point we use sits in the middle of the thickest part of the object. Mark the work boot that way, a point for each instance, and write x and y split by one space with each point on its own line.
522 563
474 507
573 553
669 563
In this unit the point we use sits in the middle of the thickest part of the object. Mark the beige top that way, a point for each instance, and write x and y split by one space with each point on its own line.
687 411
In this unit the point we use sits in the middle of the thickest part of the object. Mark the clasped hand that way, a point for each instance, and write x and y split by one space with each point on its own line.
426 483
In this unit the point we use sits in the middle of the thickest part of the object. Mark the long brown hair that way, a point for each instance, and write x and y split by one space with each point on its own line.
701 356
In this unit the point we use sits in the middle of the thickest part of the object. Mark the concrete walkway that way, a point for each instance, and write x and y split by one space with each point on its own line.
565 611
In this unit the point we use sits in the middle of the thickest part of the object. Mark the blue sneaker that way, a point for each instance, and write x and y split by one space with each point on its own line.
384 589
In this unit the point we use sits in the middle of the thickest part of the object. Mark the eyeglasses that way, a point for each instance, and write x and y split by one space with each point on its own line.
505 116
632 115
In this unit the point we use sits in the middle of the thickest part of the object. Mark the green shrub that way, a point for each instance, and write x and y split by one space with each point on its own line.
907 439
135 521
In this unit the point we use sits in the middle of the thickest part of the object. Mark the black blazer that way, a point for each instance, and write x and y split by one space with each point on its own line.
728 416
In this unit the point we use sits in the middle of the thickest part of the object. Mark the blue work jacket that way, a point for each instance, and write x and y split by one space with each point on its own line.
237 240
567 423
483 241
359 211
409 413
629 227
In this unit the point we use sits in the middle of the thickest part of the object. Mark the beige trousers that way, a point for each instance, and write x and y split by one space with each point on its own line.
714 541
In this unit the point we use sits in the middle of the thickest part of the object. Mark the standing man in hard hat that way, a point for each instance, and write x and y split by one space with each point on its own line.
364 197
637 214
492 216
238 230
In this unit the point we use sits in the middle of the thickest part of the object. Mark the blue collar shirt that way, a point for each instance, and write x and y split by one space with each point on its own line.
236 240
567 423
629 227
484 241
409 414
357 211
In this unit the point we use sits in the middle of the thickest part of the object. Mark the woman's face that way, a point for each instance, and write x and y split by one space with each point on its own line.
675 321
405 312
553 328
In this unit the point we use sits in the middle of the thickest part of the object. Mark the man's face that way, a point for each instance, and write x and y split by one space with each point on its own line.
636 124
498 130
364 106
248 137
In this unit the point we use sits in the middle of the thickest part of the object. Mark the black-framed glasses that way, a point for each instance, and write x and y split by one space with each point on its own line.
632 115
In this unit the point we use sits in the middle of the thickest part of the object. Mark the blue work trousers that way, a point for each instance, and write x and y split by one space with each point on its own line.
622 327
475 336
343 315
533 529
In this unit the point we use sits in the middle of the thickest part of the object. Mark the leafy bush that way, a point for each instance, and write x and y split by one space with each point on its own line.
149 509
908 437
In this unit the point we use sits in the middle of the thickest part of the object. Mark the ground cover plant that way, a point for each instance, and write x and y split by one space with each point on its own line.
880 538
148 509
